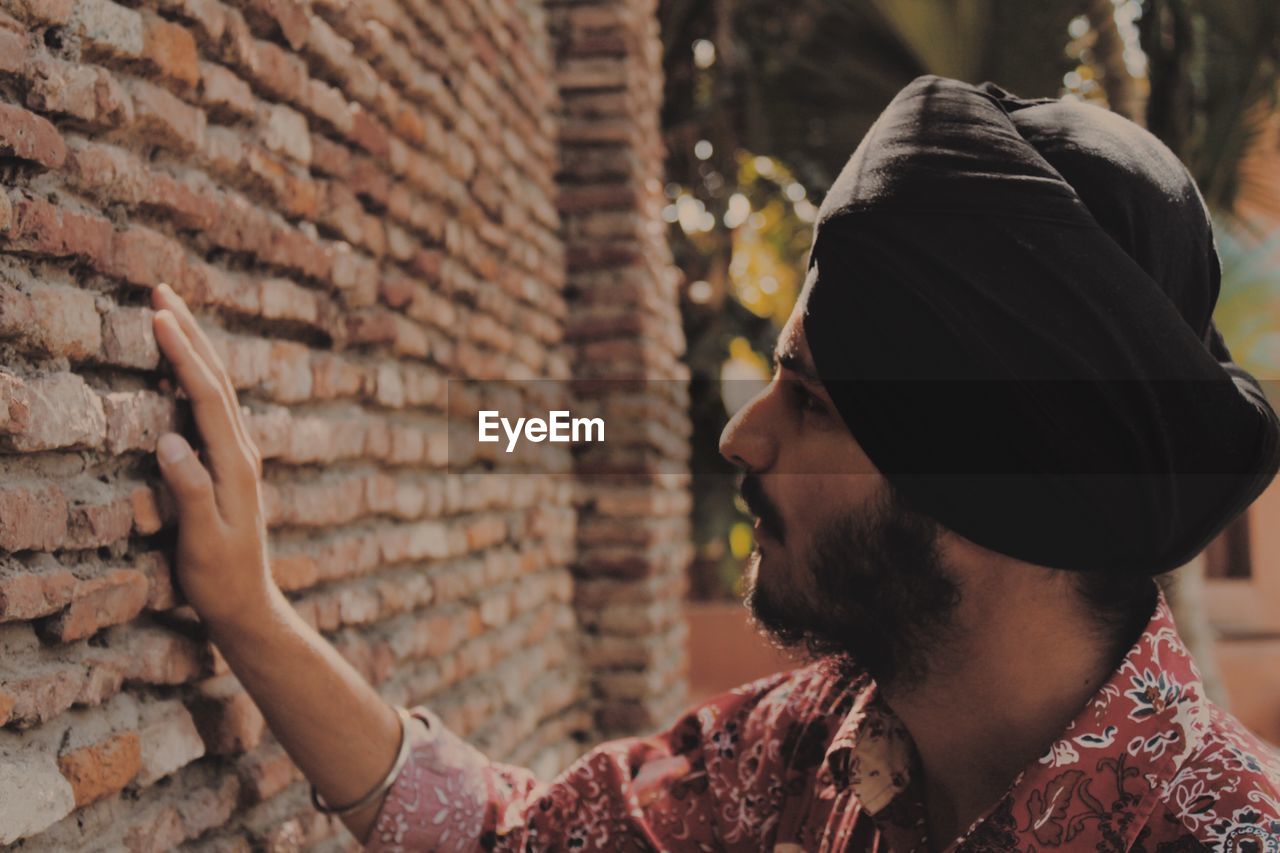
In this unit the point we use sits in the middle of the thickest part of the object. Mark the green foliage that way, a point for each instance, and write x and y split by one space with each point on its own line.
1215 75
1248 311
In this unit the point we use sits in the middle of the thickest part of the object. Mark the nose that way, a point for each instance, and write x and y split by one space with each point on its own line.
747 440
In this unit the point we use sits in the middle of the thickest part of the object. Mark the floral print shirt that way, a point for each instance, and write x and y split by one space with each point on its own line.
810 760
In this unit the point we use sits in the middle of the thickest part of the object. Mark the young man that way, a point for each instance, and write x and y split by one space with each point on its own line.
999 409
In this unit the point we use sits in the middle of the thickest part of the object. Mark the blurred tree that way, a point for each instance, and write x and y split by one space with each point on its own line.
1215 76
1214 68
802 81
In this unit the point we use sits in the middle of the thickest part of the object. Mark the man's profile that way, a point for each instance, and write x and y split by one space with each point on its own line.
999 409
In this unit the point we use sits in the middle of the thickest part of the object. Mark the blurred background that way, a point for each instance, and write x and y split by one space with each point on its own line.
765 102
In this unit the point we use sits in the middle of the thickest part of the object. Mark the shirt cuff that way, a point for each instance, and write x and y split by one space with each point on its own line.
440 797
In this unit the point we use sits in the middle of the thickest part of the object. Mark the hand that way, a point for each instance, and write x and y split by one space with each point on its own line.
334 726
221 562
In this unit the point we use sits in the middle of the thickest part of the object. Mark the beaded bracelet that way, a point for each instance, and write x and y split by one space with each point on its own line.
382 787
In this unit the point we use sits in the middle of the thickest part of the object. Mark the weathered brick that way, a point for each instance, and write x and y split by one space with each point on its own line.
29 137
142 256
68 323
284 131
226 717
63 412
267 771
160 828
169 741
279 73
112 598
43 228
88 93
288 372
102 768
107 30
40 692
136 419
293 571
97 515
50 12
23 773
224 150
288 16
161 656
281 299
31 591
147 517
224 94
17 313
171 50
164 119
294 195
128 338
369 133
208 16
329 104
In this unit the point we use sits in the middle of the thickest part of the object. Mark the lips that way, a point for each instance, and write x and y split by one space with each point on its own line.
761 532
766 524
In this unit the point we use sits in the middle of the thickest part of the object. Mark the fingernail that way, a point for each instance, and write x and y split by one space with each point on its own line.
172 448
164 287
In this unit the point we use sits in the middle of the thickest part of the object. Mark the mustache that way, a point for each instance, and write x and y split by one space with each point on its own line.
759 505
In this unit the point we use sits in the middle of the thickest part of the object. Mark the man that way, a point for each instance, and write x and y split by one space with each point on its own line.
999 409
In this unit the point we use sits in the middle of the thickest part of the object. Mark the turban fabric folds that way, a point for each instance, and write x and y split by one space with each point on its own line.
1009 302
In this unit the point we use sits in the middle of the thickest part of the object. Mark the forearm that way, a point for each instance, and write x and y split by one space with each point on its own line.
327 717
334 726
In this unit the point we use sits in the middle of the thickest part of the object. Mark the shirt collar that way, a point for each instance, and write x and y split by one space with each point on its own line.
872 752
1100 778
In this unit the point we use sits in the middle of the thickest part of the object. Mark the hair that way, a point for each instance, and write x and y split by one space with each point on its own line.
1119 602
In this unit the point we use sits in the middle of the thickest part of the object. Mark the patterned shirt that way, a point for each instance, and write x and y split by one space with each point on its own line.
812 760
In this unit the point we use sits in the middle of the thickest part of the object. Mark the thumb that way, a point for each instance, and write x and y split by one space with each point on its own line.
190 483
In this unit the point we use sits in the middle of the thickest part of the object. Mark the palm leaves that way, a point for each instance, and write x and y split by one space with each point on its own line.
1215 73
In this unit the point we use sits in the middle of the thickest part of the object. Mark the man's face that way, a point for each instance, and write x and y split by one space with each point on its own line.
840 565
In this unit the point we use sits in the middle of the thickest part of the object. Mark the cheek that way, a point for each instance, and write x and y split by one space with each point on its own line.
818 444
811 502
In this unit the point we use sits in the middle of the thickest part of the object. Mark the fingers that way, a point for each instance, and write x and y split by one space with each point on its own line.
215 414
190 483
163 297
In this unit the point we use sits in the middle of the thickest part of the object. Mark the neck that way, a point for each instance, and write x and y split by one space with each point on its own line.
1010 683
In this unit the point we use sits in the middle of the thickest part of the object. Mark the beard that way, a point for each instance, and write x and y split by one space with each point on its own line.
871 593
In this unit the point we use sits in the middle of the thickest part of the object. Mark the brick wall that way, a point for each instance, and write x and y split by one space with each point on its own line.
625 332
363 201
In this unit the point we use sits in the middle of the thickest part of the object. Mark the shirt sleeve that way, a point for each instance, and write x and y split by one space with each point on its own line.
634 794
447 796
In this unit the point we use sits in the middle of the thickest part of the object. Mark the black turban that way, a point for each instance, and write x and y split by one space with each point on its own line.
1010 303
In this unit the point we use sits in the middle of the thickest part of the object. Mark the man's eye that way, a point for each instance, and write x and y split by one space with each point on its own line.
807 400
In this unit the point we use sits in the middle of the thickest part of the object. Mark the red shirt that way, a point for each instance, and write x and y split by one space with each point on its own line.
811 761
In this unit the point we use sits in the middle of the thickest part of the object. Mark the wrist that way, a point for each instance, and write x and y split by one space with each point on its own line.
253 623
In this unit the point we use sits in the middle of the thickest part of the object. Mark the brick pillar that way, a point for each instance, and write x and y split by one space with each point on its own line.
624 327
